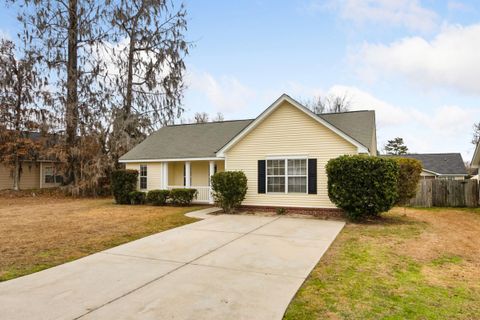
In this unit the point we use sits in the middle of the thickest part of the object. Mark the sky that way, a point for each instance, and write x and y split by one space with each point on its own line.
415 62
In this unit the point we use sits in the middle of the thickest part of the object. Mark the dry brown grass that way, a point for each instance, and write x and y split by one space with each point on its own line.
40 232
413 264
452 235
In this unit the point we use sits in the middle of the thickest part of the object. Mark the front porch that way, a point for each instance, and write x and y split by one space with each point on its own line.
179 174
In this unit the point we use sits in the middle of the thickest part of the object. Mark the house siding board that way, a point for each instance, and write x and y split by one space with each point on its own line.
199 172
154 174
287 131
29 179
220 166
6 181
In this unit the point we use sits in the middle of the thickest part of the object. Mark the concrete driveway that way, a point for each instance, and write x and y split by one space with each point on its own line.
224 267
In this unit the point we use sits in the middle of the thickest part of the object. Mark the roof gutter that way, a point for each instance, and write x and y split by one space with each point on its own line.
170 160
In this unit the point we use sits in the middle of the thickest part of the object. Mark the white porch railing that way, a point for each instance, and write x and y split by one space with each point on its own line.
203 195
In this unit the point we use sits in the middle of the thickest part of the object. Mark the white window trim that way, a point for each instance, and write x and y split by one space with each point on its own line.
45 168
145 176
286 158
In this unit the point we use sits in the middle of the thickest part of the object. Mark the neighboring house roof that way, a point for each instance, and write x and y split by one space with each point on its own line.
47 141
439 163
207 140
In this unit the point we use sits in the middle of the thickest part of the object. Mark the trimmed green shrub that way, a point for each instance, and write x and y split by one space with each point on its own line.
158 197
229 189
182 197
122 183
408 178
362 185
137 197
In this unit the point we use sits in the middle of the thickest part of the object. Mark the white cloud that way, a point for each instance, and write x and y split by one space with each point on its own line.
398 13
445 128
386 113
226 93
449 60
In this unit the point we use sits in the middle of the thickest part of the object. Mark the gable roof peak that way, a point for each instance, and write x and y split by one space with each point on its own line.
362 148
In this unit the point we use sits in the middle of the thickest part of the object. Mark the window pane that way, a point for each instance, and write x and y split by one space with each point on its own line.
297 184
143 171
297 167
275 167
49 179
143 182
275 184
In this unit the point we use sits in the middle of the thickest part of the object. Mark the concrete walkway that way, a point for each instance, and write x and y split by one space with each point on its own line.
224 267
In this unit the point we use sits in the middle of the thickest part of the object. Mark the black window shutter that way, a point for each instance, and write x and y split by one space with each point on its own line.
312 176
261 176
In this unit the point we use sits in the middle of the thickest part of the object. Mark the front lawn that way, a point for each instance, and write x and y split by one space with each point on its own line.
38 233
424 264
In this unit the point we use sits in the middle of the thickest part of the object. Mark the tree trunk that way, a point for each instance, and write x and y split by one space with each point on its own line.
129 95
16 175
71 112
19 134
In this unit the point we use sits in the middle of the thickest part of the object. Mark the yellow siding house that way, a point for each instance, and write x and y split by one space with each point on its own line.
283 153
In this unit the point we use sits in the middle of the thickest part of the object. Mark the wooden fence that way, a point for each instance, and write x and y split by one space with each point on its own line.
447 193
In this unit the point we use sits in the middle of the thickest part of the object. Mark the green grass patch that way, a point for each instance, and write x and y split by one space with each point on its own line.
446 259
364 277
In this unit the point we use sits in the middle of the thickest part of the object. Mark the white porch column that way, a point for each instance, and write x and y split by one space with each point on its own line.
188 176
211 171
164 175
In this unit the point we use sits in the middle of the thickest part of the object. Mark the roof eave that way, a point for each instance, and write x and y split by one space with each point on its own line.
169 159
445 174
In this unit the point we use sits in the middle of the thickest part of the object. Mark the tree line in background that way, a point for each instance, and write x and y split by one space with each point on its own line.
95 77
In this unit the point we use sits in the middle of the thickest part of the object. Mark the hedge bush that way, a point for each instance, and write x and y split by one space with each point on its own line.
158 197
122 183
137 197
182 197
408 178
363 185
229 189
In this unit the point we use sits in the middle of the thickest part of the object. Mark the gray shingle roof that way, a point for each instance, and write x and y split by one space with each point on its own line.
201 140
205 139
359 125
442 163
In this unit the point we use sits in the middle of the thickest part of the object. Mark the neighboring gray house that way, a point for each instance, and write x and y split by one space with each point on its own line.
440 165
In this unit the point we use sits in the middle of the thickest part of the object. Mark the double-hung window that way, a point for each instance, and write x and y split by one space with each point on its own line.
50 175
143 176
287 175
276 175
